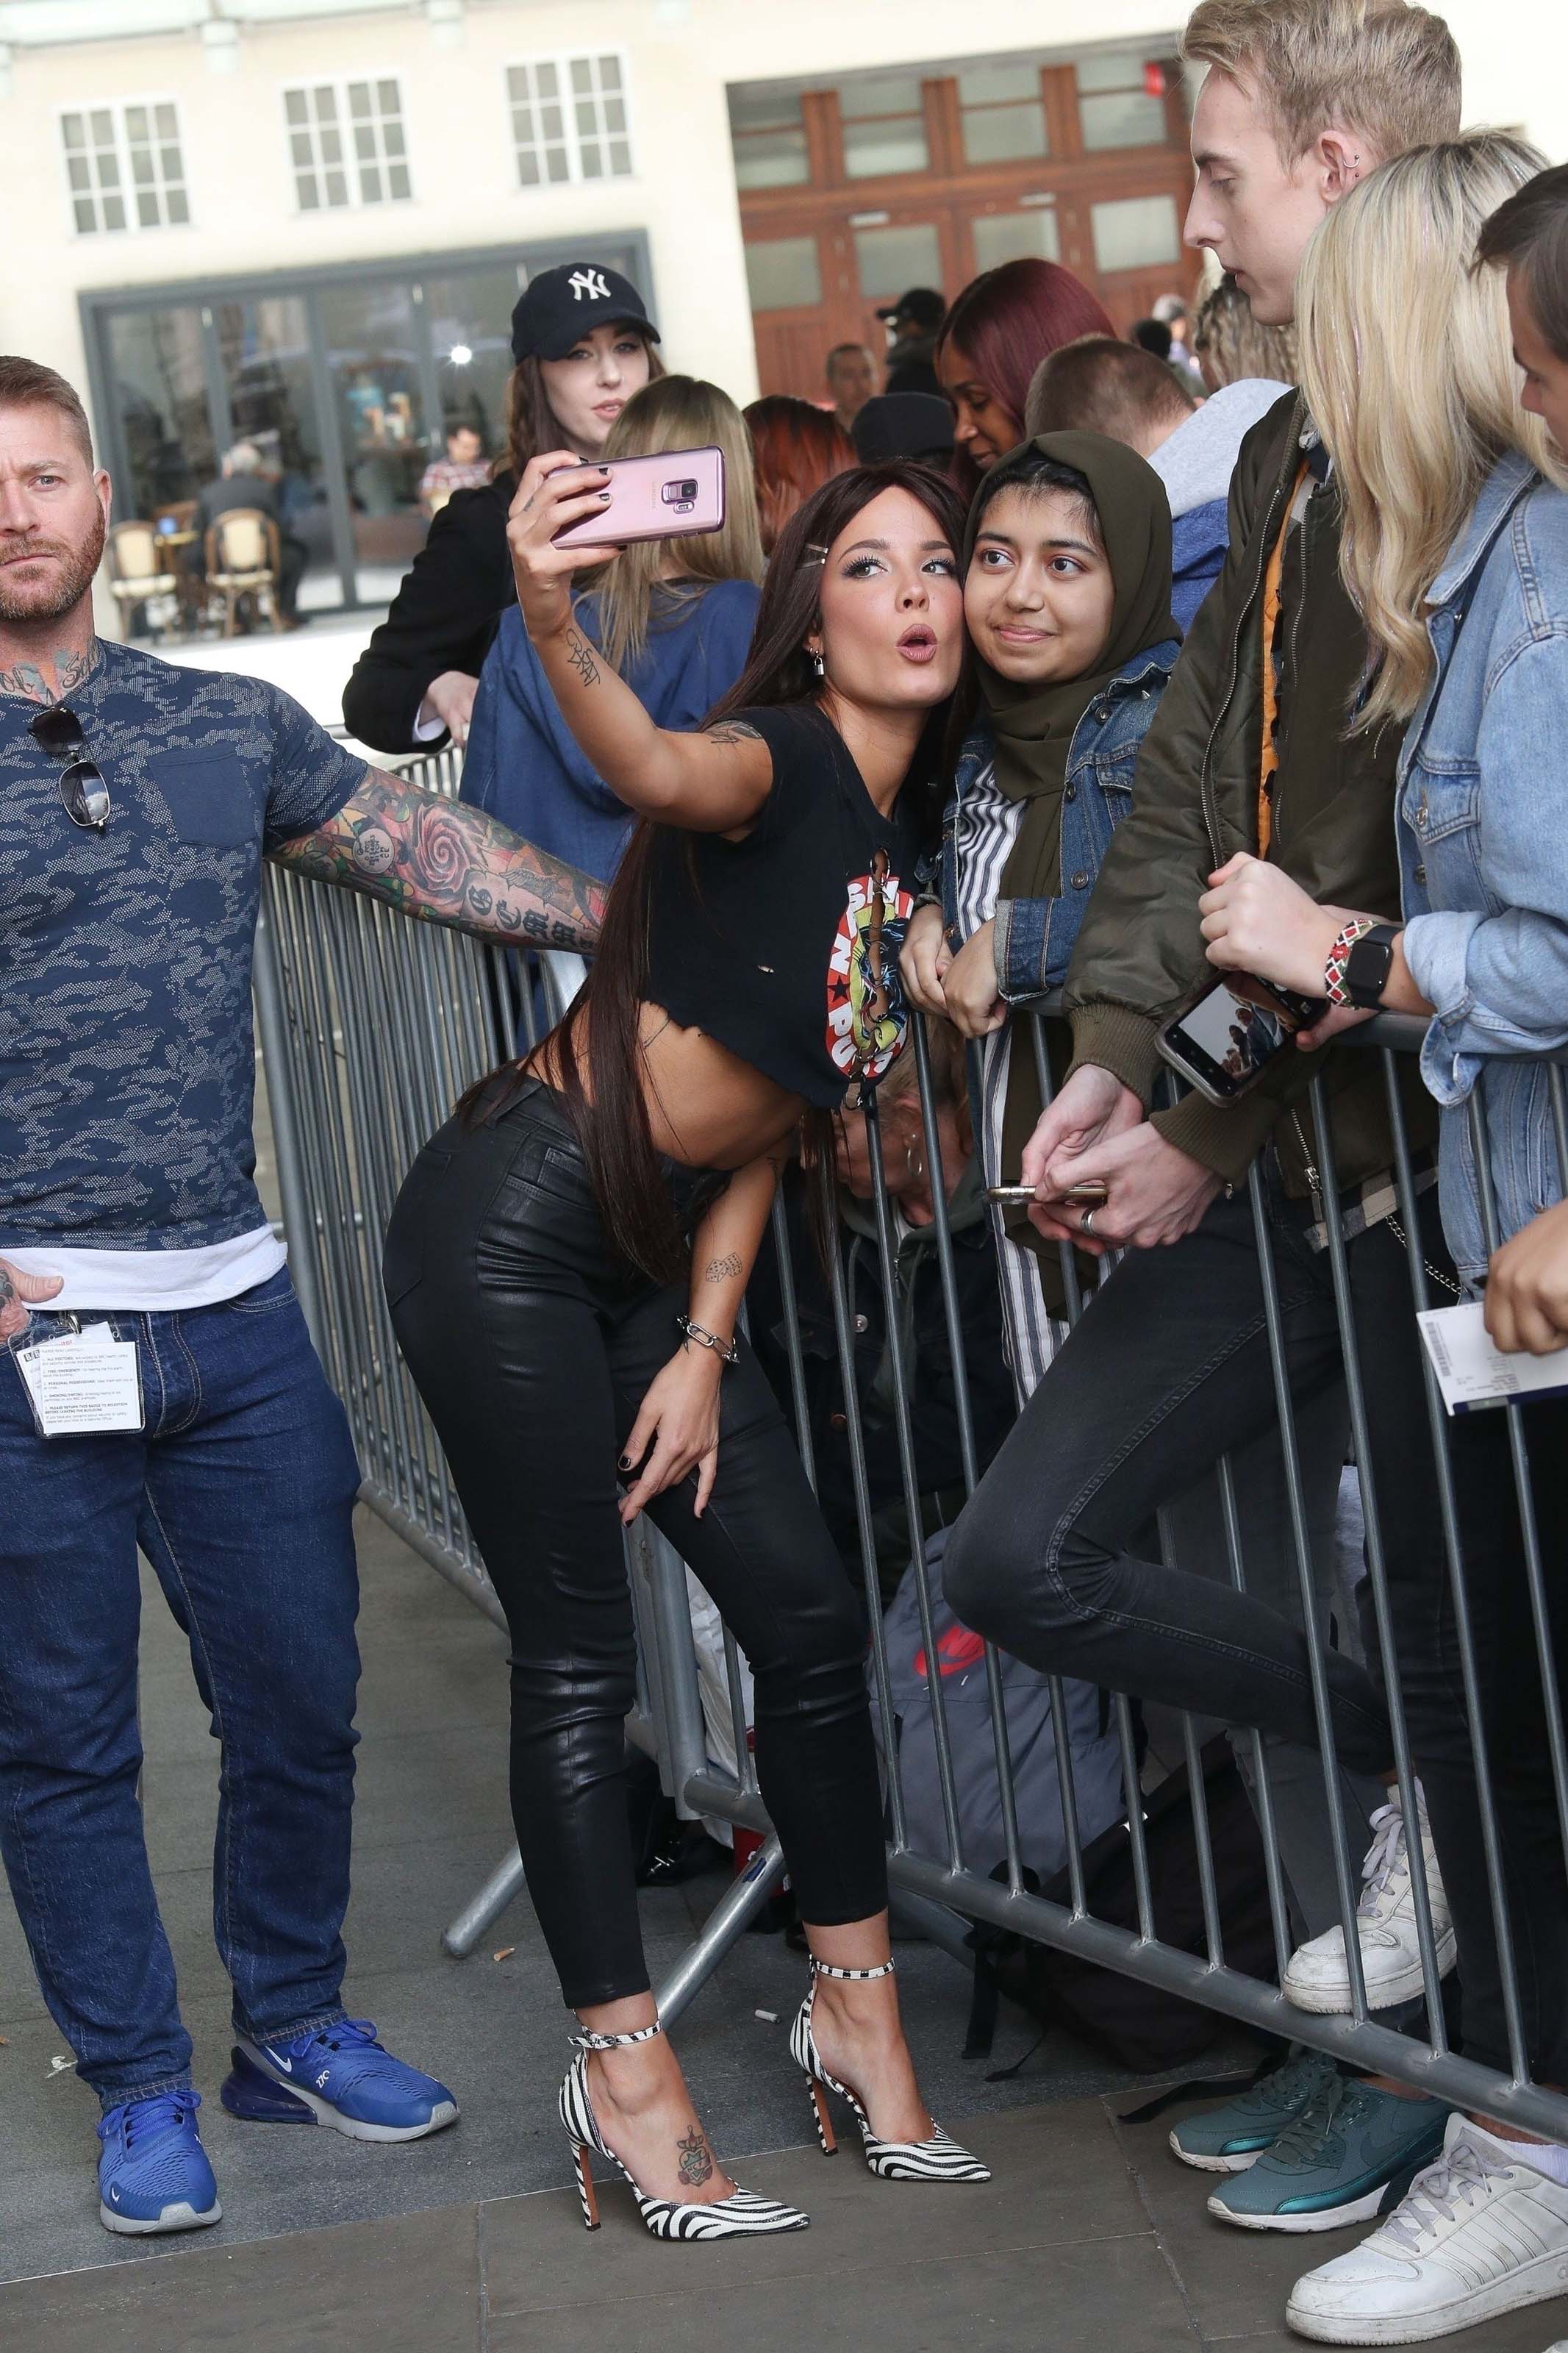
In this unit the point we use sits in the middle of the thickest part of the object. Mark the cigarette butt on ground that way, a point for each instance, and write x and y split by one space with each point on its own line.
771 2015
505 1953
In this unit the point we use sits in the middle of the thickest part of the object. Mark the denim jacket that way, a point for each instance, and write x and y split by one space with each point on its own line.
1483 851
1035 936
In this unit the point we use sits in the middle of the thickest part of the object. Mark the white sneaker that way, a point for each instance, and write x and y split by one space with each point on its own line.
1477 2234
1317 1976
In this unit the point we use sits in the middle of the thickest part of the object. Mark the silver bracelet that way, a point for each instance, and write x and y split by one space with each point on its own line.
726 1349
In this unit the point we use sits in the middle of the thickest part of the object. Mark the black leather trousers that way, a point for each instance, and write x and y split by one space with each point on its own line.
533 1345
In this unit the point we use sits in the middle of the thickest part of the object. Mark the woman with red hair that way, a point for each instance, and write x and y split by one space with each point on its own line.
799 447
992 339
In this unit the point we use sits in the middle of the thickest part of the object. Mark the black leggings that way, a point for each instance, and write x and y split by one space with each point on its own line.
533 1345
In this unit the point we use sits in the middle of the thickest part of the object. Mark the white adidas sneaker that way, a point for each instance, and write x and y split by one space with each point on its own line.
1477 2234
1317 1976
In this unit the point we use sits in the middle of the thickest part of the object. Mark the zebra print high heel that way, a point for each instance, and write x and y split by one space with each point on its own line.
939 2158
742 2215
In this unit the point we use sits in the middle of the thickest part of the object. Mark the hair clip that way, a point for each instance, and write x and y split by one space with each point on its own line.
819 553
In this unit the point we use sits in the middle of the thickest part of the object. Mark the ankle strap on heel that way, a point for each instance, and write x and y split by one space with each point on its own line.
588 2041
856 1977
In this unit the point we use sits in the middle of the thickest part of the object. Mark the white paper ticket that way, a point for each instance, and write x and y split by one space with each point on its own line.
82 1382
1472 1373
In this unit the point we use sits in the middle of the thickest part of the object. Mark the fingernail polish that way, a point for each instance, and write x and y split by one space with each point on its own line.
624 1464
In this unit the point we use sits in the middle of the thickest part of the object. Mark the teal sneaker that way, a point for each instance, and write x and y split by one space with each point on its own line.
1229 2138
1351 2152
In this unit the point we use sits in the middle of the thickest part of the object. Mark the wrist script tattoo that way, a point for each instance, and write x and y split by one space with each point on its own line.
580 654
448 863
26 678
721 1270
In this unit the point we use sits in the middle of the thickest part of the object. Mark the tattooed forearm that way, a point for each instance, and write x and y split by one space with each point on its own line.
722 1270
448 863
580 654
28 680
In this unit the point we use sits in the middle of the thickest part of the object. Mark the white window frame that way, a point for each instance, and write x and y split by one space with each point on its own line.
586 53
117 109
338 85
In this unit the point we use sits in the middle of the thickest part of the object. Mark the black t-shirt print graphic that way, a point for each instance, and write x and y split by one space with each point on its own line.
868 1017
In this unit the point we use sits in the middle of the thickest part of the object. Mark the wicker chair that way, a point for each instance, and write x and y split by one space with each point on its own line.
242 561
137 575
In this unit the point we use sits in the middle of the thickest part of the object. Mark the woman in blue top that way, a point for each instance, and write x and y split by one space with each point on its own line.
675 617
1456 551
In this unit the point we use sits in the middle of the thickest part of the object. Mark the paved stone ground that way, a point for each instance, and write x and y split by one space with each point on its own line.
1090 2236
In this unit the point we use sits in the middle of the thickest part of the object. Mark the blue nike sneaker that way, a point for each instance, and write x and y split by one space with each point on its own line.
153 2173
1350 2154
339 2076
1233 2136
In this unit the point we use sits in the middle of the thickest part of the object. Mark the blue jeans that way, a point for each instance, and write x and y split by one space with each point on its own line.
240 1492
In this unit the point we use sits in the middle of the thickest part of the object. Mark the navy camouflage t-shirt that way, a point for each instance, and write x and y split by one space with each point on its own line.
127 1069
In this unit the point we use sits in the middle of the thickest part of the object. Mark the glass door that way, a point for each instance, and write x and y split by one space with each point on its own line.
264 345
468 316
375 357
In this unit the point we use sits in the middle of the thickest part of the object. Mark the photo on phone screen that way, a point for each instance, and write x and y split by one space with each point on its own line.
1226 1041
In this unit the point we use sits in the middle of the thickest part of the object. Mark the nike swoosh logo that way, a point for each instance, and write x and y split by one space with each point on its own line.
287 2064
114 2193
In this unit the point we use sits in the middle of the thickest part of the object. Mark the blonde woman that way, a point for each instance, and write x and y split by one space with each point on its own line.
1455 550
674 616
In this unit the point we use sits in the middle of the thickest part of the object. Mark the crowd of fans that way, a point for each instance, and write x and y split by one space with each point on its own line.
1062 661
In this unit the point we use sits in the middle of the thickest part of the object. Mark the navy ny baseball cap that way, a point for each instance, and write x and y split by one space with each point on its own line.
559 307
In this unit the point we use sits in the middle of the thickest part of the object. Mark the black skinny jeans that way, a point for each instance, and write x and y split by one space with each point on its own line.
534 1346
1169 1369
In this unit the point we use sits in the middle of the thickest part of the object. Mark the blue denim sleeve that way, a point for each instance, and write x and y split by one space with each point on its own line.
1033 944
1498 983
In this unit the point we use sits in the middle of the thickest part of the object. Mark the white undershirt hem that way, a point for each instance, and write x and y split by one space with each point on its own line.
155 1282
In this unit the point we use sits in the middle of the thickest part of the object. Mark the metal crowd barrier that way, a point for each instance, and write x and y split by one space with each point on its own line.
373 1025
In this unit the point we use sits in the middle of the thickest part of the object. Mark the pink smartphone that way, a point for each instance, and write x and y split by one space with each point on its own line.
671 496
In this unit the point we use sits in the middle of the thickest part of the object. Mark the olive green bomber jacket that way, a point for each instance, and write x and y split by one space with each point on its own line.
1139 954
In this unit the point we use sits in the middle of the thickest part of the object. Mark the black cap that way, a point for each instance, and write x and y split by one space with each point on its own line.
922 306
559 307
903 425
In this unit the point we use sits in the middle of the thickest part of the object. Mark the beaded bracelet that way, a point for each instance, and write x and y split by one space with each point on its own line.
726 1349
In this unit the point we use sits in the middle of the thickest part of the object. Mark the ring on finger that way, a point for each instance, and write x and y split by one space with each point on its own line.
1086 1221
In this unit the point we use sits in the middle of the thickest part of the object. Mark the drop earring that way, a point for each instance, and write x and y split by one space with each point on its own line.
815 653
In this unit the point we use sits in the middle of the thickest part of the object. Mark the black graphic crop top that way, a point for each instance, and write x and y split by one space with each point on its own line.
769 945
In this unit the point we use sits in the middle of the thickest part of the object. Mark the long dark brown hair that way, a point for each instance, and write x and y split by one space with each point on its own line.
630 1185
531 424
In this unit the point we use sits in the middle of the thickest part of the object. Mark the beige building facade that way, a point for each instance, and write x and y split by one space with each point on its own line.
332 198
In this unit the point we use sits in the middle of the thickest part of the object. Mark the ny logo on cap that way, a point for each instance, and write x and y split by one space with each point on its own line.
591 283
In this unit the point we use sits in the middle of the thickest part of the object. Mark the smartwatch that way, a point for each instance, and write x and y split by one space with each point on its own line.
1368 964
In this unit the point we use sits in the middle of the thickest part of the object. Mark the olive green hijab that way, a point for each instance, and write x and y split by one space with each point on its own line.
1034 726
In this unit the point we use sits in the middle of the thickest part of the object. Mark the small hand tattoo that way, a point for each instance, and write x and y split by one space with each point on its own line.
696 2165
720 1270
528 504
580 654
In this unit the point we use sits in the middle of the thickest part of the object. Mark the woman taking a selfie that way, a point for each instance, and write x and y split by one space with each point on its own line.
566 1263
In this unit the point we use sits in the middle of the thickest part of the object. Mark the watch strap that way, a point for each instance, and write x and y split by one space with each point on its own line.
1335 987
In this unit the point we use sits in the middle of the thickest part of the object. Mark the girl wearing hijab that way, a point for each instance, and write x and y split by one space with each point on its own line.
1066 596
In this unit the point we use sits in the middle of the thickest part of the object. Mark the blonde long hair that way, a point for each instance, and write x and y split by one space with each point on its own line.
678 412
1407 365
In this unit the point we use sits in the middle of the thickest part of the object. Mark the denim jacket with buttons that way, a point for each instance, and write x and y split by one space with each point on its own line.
1034 937
1484 849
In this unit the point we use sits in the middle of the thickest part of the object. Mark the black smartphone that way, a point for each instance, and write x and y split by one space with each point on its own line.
1234 1032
